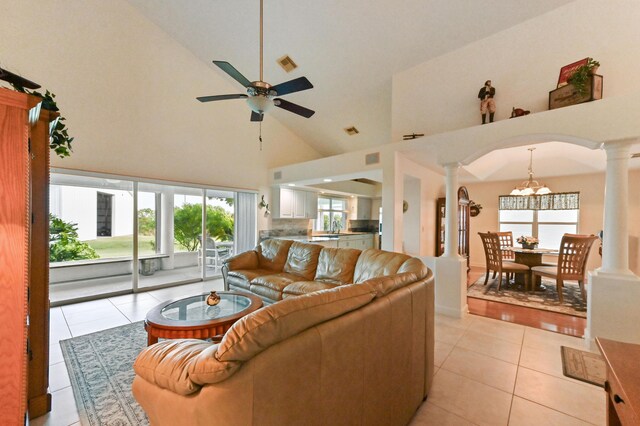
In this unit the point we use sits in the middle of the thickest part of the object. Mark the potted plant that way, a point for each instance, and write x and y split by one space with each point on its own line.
528 242
582 76
59 141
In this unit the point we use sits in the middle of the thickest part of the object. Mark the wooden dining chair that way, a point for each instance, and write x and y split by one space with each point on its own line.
506 240
574 252
493 259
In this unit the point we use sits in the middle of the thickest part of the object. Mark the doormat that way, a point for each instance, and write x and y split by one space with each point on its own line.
100 367
545 300
584 366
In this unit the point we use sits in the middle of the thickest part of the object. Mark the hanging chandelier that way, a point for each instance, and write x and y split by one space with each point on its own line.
530 186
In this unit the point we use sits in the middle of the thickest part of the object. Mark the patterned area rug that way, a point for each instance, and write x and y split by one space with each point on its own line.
546 300
582 365
100 366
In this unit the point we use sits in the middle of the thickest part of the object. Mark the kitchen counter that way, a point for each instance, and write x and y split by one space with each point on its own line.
359 240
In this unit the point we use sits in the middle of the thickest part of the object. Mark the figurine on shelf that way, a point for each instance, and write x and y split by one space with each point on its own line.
213 299
486 94
519 112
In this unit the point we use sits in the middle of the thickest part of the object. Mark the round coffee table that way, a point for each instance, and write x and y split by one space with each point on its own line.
192 318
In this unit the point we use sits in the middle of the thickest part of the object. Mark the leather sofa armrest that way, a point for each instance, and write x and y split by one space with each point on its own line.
182 366
246 260
166 364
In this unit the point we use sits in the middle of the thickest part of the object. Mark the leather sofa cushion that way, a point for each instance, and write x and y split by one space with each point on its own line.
276 281
337 265
374 263
166 364
249 274
266 293
304 287
272 254
303 259
265 327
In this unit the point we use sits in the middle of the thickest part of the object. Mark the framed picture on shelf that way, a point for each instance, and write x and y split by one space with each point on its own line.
567 70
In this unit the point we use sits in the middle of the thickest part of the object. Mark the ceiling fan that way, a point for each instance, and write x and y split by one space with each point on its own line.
261 96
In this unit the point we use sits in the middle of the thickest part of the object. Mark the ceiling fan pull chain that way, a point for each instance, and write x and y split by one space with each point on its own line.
260 136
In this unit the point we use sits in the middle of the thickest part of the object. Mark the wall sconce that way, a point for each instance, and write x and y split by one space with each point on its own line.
263 205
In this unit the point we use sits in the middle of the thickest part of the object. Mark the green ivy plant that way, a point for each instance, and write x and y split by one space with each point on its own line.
581 76
59 140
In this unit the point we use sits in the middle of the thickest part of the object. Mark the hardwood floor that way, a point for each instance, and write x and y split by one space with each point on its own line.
537 318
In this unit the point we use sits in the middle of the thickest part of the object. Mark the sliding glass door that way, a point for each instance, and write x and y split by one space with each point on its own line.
114 235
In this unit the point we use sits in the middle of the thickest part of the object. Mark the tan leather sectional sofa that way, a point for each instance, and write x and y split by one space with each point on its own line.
346 354
277 269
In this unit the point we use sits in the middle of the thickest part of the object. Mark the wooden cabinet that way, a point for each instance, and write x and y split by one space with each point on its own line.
291 203
24 256
623 381
463 224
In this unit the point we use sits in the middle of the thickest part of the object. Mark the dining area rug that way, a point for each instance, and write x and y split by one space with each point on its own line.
100 367
546 300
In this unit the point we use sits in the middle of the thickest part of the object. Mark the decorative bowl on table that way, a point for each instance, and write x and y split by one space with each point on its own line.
529 246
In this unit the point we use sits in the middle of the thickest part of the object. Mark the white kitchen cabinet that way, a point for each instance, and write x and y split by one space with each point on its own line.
358 241
283 203
364 209
299 204
289 203
359 208
376 203
312 205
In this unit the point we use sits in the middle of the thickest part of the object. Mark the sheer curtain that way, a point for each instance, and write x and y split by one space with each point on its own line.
246 221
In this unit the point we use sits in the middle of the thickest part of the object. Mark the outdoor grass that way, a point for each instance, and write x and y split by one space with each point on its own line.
122 246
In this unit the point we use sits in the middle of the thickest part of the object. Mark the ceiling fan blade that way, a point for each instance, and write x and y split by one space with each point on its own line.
291 86
234 73
294 108
256 117
220 97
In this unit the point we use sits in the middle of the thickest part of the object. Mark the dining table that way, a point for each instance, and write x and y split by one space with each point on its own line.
531 258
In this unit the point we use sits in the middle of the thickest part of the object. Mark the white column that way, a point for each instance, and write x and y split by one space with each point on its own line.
166 230
451 211
615 247
613 292
392 192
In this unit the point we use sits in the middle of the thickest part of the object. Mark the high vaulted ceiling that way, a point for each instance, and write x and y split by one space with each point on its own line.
349 50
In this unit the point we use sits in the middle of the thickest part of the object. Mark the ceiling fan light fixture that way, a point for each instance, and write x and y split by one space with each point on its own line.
260 103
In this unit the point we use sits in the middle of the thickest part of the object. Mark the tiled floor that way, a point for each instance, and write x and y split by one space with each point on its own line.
488 372
88 317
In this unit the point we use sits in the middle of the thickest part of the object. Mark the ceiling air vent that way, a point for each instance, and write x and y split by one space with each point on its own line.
372 158
287 63
351 131
277 175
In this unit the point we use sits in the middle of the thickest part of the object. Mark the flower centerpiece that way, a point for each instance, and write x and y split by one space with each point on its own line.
527 241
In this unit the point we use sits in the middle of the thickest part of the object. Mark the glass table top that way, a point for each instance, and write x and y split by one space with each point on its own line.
196 309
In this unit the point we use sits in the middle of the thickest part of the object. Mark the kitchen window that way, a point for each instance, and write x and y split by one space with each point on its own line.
332 214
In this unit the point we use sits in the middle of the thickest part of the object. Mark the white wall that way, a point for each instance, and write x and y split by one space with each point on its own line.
523 63
128 91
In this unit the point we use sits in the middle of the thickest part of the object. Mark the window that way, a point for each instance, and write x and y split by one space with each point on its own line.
332 214
104 214
547 225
